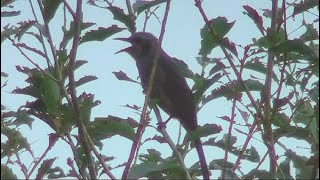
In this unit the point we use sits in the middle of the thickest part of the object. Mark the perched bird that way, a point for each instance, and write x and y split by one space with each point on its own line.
170 90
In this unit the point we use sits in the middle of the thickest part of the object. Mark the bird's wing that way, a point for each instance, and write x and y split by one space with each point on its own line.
179 102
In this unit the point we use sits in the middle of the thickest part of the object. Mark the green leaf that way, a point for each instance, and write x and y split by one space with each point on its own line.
249 154
293 132
102 128
272 39
10 13
183 68
284 170
201 85
15 142
233 89
140 6
304 6
310 34
258 174
87 102
296 45
69 34
22 117
304 113
50 8
6 172
280 119
303 171
253 14
120 75
221 27
85 80
100 34
23 28
152 156
204 131
45 168
55 173
259 67
7 2
143 170
49 90
120 16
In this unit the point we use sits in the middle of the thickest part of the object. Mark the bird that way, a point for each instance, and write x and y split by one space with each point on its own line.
170 90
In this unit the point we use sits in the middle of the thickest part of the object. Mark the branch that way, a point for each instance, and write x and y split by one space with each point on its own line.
165 134
268 134
145 105
73 54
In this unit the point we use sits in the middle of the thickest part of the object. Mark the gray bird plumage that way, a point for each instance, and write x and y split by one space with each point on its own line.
170 89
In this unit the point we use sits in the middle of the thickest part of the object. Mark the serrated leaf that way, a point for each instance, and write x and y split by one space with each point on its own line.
284 170
259 174
295 45
231 46
142 170
50 7
123 76
300 163
201 85
304 113
10 13
3 74
204 131
310 34
221 27
45 168
183 68
24 27
6 2
293 132
55 173
100 34
102 128
120 16
15 142
232 90
49 90
140 6
68 35
8 31
304 6
6 172
22 117
257 19
85 80
259 67
87 102
280 119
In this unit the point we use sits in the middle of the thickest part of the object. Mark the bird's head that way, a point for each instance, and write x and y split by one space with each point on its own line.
142 45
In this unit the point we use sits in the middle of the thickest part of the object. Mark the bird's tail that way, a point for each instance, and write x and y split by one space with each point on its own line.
202 158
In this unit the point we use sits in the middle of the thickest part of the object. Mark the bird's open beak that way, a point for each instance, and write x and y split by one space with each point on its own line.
125 49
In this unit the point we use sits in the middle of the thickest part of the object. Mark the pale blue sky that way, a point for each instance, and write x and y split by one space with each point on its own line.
181 40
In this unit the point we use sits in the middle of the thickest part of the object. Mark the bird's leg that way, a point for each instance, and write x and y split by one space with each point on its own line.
163 124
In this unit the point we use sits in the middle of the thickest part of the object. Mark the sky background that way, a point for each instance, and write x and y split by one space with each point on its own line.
181 40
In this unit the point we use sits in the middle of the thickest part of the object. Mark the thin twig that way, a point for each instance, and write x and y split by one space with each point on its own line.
130 10
82 171
171 143
268 134
52 142
75 103
30 60
69 9
144 109
41 36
